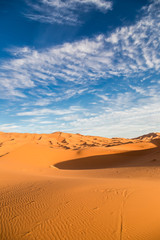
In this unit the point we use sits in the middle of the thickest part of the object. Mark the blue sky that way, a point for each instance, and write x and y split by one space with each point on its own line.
80 66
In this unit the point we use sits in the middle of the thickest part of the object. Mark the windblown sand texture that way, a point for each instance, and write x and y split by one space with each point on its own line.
65 186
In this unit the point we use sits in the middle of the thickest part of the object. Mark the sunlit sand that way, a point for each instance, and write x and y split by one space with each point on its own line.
74 187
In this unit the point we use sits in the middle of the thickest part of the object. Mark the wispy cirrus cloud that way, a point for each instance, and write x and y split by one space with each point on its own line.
63 12
47 111
124 114
121 115
131 51
8 127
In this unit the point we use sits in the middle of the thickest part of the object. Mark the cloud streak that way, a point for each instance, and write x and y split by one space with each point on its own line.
47 111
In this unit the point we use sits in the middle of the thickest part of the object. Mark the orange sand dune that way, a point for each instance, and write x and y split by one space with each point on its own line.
69 186
10 141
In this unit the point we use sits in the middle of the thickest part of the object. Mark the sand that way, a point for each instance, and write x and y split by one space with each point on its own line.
64 186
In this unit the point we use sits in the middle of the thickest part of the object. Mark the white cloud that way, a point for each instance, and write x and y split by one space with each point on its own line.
46 122
34 120
8 127
103 97
69 117
122 118
131 51
42 102
122 115
47 111
138 89
66 12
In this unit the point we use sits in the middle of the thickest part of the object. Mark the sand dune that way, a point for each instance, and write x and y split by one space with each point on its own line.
10 141
69 186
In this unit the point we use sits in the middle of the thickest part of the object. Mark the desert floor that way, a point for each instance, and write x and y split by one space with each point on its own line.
83 191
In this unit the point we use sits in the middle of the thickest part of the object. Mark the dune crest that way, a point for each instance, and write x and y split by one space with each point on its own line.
10 141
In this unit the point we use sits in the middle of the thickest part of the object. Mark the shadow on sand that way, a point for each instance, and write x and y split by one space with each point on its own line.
140 158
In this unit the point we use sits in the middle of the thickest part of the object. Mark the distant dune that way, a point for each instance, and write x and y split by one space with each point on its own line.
10 141
69 186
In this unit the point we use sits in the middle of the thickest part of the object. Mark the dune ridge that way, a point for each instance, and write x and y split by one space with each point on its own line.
10 141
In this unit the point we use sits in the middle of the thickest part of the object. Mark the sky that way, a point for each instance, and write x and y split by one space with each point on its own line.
80 66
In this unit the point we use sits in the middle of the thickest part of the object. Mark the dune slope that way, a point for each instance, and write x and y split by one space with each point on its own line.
66 186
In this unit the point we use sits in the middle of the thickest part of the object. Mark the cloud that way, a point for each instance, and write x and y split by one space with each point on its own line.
63 12
126 115
47 111
46 122
8 127
128 52
49 97
139 90
42 102
34 120
103 97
